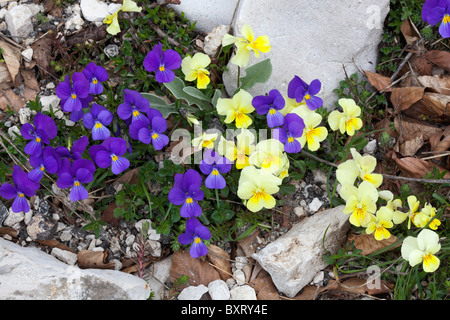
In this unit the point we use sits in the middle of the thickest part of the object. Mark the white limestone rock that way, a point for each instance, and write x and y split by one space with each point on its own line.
19 22
244 292
218 290
313 40
296 257
94 10
193 292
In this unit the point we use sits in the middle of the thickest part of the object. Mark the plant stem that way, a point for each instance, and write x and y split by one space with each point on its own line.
217 198
238 76
148 199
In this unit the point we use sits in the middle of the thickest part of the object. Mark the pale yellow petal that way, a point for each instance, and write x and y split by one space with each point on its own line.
130 6
334 119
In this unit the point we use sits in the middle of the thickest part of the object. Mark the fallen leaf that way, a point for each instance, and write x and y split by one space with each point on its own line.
199 271
403 98
55 244
220 260
416 168
433 106
9 231
379 81
440 142
438 83
5 77
250 243
409 32
42 54
12 57
9 98
108 215
30 79
368 244
94 259
422 65
264 287
439 58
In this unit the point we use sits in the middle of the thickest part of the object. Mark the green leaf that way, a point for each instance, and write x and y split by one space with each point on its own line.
195 93
160 104
177 87
257 73
216 96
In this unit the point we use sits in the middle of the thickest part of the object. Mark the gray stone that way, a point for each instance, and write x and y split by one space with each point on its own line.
94 10
239 276
315 205
218 290
159 275
244 292
65 256
193 292
41 227
295 258
31 274
19 22
3 212
213 39
111 50
313 40
370 147
207 13
13 218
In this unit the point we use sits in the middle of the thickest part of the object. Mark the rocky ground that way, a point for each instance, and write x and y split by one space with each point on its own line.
226 273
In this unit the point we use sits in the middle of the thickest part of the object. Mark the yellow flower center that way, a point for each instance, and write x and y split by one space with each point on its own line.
351 123
272 111
76 184
162 68
98 125
307 97
154 136
42 168
197 240
21 195
38 139
267 162
135 113
290 139
114 158
189 200
446 19
429 258
73 96
94 81
215 172
310 135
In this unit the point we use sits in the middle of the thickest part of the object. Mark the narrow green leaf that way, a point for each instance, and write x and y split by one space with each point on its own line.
160 104
194 92
257 73
177 87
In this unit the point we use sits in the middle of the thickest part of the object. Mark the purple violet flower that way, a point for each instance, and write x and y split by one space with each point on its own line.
299 90
292 129
186 192
81 171
97 119
48 161
23 186
109 154
71 93
68 156
43 131
162 62
438 11
214 165
270 105
95 75
194 234
150 130
134 107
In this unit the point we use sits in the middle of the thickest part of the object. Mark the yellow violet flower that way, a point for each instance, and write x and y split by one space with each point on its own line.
194 68
291 104
413 205
360 202
246 45
256 188
236 109
422 249
268 156
206 140
427 213
112 19
312 135
283 172
380 223
346 121
240 150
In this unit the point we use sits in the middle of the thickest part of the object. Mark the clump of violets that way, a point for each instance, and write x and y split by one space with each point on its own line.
40 134
301 91
270 106
213 165
22 187
95 75
291 132
186 192
150 130
162 63
81 171
194 234
47 161
97 119
109 154
435 12
134 107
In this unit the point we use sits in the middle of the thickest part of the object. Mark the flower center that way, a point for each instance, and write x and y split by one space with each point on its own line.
94 81
290 139
38 139
162 68
307 96
76 184
272 111
154 136
215 172
21 195
135 113
98 125
197 240
42 168
73 96
446 19
189 200
114 157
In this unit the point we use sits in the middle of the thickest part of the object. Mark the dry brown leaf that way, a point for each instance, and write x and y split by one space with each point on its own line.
433 106
12 57
422 65
108 215
198 270
5 77
9 98
409 32
250 243
378 81
220 260
439 58
42 54
9 231
368 244
30 79
403 98
438 83
55 244
416 168
264 287
440 142
94 259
